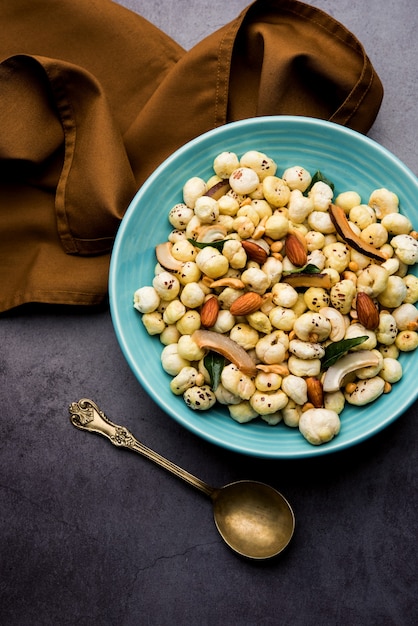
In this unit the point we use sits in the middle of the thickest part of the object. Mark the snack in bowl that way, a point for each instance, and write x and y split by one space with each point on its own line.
272 296
350 161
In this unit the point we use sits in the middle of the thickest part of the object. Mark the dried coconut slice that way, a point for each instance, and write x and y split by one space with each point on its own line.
166 259
305 279
228 348
343 228
349 363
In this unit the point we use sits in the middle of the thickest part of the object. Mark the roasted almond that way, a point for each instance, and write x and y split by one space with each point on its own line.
247 303
367 311
209 312
315 392
254 251
296 250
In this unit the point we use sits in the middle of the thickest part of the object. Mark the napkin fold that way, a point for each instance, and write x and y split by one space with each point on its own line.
93 98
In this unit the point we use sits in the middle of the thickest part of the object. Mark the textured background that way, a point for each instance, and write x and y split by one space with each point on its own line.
94 535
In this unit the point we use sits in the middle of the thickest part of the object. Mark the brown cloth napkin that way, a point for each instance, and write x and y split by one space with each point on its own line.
93 97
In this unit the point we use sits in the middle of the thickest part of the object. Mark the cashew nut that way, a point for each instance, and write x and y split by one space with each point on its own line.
338 322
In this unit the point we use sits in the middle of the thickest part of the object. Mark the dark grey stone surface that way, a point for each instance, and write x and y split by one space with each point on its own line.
95 535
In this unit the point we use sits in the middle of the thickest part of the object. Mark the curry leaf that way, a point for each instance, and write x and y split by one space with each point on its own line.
337 349
307 269
213 244
214 363
316 178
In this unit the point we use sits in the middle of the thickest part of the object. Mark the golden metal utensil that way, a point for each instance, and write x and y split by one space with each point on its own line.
254 519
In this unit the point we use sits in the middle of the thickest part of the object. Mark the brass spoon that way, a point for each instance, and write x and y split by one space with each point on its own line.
254 519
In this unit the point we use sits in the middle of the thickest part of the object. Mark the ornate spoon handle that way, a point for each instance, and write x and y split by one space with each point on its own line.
86 415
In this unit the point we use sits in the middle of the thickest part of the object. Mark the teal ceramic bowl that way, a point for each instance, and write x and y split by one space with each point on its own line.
351 161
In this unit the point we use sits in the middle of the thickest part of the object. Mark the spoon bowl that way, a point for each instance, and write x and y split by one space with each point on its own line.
253 519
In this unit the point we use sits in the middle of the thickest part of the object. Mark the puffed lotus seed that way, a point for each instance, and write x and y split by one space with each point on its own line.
406 248
183 250
189 273
321 195
316 298
266 403
337 256
374 234
262 164
277 226
342 295
192 295
153 322
211 262
146 299
268 381
272 418
228 205
284 295
407 340
291 414
314 240
166 285
174 311
321 221
244 335
237 383
243 180
393 294
262 207
334 401
391 370
406 317
347 200
295 388
171 361
362 216
397 224
411 283
242 412
270 349
260 322
188 349
170 334
199 398
276 191
206 209
188 323
383 202
225 163
319 425
297 177
306 350
193 189
299 207
312 326
282 318
180 215
303 367
366 391
244 226
185 379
